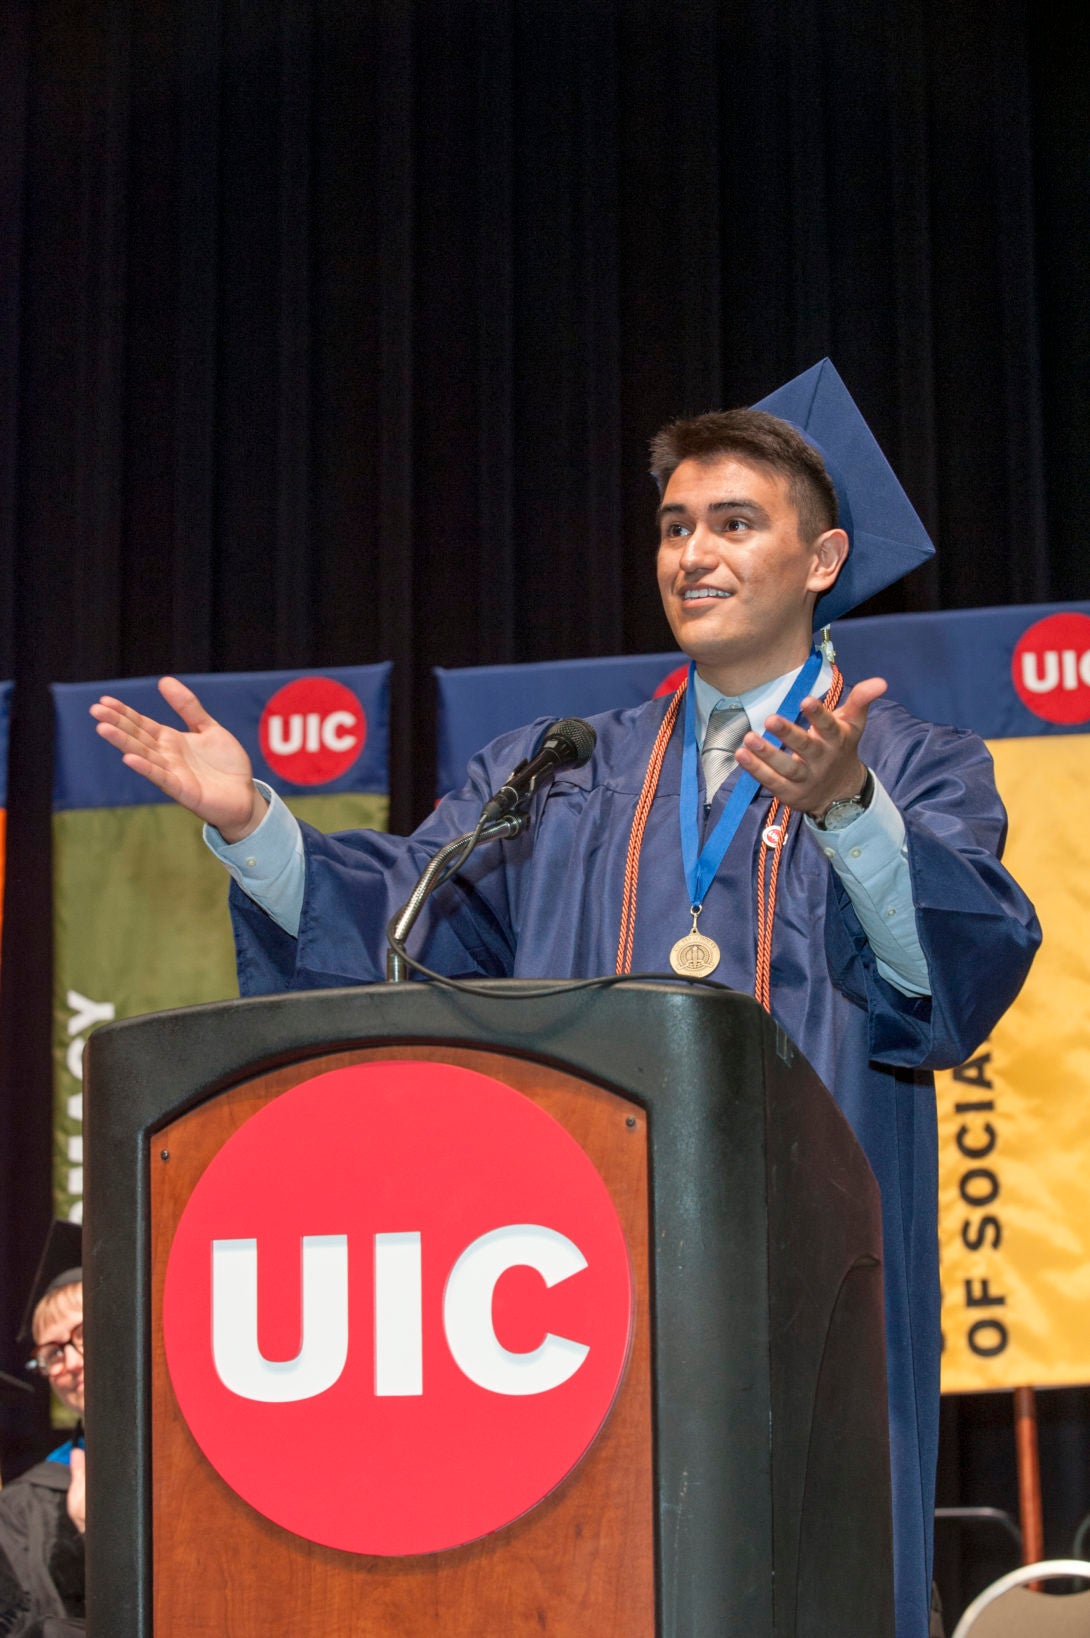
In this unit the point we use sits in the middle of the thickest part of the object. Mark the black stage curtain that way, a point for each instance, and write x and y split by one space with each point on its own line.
334 330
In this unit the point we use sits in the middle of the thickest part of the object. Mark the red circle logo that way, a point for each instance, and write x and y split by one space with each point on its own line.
398 1307
1051 668
312 730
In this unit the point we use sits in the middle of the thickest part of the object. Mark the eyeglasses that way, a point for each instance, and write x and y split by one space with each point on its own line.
50 1358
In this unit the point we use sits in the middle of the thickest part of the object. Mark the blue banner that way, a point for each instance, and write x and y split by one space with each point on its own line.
307 732
991 670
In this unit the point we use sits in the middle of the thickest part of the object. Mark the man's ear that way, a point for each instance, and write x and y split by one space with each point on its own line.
830 553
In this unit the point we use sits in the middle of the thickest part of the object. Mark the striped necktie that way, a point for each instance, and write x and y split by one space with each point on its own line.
728 725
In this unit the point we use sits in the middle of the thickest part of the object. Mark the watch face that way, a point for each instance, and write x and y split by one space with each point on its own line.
841 814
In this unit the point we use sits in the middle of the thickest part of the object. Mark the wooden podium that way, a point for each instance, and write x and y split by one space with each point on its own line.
740 1484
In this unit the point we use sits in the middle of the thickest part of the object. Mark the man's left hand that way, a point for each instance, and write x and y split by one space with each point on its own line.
817 764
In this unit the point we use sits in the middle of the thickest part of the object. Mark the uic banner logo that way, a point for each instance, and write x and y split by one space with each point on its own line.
312 731
1051 668
398 1307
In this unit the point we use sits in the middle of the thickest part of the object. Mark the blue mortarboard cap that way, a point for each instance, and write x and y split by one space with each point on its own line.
887 537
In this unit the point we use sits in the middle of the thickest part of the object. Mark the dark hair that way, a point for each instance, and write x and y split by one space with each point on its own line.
761 439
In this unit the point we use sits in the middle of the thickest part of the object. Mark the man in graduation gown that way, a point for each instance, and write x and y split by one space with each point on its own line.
895 938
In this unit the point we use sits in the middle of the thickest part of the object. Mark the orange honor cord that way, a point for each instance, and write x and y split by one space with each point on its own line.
639 823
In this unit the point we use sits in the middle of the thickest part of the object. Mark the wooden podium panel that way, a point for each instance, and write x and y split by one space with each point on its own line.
580 1562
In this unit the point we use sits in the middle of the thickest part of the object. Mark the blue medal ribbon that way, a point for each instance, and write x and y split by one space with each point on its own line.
701 864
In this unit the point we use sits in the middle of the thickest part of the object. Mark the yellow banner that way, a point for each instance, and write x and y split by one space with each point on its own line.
1014 1122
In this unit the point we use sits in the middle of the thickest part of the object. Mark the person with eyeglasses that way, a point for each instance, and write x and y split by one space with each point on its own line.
43 1511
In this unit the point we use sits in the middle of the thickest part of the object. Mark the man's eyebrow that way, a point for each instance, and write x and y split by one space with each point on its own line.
675 508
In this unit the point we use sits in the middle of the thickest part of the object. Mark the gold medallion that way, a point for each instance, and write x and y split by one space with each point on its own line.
694 955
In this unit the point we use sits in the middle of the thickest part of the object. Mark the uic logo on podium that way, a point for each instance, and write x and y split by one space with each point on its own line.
398 1344
398 1307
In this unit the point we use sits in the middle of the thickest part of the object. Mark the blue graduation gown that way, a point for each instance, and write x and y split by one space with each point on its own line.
548 904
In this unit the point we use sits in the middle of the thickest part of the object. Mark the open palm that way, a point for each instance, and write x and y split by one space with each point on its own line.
203 767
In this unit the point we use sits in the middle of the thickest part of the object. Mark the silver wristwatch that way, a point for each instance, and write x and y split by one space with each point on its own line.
839 814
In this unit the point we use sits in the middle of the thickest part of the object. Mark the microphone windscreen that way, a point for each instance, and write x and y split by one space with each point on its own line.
578 734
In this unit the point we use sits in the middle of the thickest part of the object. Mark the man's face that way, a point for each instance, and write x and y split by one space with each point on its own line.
738 583
62 1317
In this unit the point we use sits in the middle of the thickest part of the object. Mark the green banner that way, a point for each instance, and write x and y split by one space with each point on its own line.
141 924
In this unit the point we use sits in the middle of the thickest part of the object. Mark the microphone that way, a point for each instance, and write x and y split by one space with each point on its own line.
567 744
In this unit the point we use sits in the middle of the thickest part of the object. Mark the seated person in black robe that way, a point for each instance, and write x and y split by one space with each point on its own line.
42 1512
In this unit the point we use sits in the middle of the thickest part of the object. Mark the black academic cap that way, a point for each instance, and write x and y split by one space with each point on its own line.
887 538
58 1265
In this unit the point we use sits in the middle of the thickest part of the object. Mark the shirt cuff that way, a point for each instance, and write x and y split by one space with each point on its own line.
269 864
871 858
870 844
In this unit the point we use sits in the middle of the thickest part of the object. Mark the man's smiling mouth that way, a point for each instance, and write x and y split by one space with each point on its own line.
696 592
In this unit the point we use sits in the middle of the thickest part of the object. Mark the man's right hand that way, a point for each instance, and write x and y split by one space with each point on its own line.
204 768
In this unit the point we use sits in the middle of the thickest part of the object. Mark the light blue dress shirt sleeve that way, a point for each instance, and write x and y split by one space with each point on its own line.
871 858
268 864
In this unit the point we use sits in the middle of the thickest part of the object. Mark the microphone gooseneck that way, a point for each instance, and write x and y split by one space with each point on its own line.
567 744
443 865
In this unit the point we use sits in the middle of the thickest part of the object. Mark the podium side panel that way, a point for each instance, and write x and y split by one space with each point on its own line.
581 1561
710 1214
830 1432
